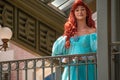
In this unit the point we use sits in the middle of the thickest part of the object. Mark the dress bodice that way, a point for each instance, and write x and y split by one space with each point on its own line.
78 45
83 44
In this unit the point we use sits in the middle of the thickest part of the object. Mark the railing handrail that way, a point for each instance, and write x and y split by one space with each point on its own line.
115 43
46 57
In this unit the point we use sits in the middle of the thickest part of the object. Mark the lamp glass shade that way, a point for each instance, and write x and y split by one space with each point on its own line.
5 33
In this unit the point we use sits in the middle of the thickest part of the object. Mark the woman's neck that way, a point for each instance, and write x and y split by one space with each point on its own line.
81 25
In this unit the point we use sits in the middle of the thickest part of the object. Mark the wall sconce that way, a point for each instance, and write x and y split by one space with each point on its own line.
5 36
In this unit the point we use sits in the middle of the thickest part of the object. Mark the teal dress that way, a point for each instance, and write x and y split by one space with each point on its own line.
83 44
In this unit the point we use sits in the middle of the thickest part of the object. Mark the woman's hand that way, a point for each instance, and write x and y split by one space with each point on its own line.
65 60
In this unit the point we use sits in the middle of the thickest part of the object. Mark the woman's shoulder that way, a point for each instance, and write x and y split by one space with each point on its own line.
92 30
93 33
60 39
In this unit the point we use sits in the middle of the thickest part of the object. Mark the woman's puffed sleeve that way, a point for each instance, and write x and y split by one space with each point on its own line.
93 42
59 46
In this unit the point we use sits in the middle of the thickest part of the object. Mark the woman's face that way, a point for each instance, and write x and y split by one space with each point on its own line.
80 13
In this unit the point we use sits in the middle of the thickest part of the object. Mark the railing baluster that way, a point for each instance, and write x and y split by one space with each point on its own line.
26 74
9 71
51 66
43 69
86 63
69 68
0 71
95 61
17 67
77 64
34 67
60 64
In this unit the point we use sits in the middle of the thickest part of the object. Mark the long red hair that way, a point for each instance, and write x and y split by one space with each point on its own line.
70 27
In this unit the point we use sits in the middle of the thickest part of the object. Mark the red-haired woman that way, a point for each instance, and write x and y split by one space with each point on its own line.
79 38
